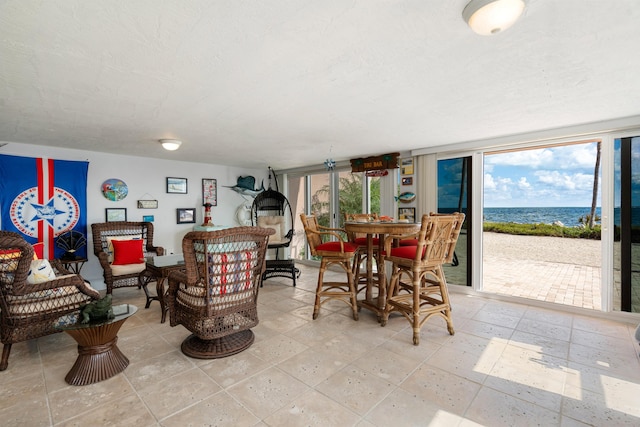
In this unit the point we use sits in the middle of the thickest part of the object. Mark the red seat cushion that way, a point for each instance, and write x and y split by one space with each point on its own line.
409 242
127 252
408 252
335 247
363 241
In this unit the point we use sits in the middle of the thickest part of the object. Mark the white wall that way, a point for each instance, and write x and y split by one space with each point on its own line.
146 179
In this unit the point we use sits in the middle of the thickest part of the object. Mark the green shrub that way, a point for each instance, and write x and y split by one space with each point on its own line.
543 230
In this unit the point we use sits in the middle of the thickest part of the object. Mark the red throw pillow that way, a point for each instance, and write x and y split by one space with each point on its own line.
38 250
127 252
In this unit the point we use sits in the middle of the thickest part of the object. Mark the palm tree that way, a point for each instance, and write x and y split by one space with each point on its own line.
594 198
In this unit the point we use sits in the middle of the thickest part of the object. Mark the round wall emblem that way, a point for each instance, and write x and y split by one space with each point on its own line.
61 212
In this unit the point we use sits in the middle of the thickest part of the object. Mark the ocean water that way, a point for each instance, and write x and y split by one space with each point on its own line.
569 216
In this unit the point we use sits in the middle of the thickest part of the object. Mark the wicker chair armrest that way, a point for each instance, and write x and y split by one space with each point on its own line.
174 279
329 233
65 278
103 257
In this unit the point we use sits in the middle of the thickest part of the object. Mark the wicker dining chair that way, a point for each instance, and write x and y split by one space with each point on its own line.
118 276
215 296
424 292
332 252
32 310
360 275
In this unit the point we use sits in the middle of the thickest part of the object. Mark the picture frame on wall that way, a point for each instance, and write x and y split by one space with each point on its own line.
115 214
147 218
407 213
407 180
210 191
185 216
147 204
406 166
177 185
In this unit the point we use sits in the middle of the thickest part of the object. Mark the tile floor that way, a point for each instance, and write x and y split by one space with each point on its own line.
507 365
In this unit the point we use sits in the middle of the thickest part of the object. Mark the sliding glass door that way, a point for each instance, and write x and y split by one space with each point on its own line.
454 182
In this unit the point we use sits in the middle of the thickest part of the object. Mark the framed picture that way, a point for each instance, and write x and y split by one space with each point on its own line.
406 166
210 191
147 218
115 214
177 185
407 180
185 216
407 213
147 204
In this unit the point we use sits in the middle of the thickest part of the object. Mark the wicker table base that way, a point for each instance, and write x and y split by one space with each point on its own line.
218 347
99 358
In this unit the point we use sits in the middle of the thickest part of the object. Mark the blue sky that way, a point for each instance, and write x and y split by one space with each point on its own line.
544 177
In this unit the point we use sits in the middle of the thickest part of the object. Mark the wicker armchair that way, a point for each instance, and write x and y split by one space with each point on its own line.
424 292
215 296
122 275
28 310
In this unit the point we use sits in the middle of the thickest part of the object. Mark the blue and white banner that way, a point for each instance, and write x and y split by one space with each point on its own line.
43 198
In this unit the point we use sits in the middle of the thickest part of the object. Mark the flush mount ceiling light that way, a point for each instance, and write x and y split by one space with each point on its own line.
488 17
170 144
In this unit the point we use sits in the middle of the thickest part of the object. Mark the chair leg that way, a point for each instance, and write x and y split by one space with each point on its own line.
415 317
316 305
352 289
391 291
444 291
5 357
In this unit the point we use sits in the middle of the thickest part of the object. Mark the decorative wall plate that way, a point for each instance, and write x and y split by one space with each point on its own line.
407 197
114 189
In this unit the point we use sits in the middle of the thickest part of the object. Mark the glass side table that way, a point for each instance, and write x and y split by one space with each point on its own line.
158 269
99 358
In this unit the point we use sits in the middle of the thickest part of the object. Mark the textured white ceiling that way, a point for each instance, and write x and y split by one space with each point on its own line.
289 83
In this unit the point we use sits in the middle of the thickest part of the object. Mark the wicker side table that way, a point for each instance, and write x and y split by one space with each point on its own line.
99 358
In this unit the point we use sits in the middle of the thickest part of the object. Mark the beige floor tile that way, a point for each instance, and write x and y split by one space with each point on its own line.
218 410
541 344
281 322
267 391
603 357
549 330
460 362
404 408
355 388
548 316
497 318
486 330
494 408
450 392
277 349
600 409
127 410
73 401
312 409
150 371
179 391
314 365
598 340
228 371
387 365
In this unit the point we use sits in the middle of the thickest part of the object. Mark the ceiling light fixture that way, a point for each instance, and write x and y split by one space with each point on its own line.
487 17
170 144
